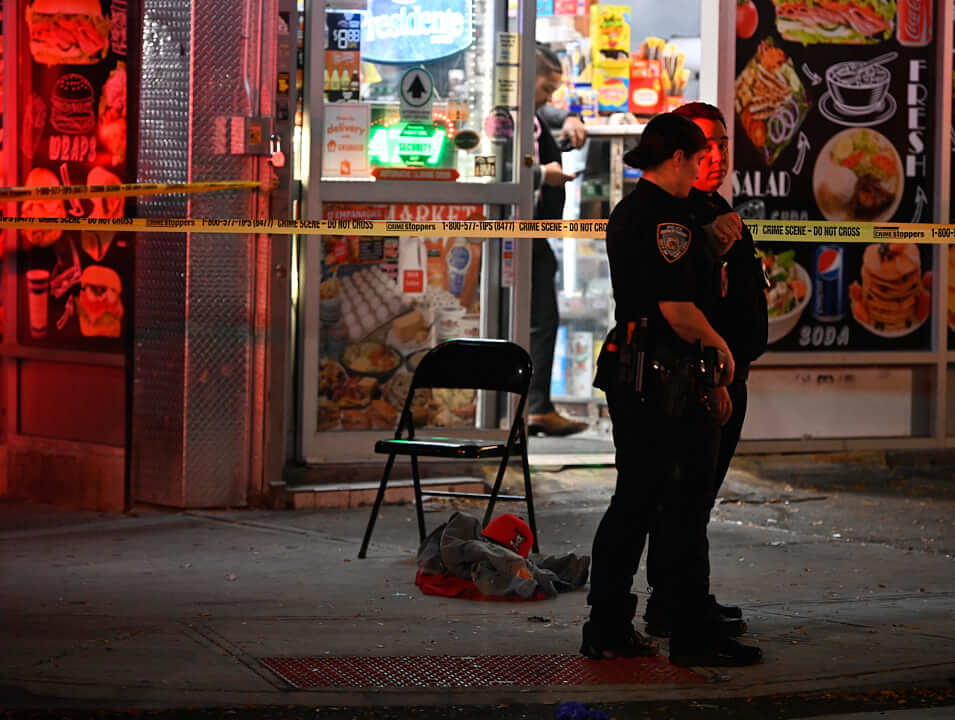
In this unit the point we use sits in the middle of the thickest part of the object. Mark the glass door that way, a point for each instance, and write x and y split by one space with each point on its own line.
412 113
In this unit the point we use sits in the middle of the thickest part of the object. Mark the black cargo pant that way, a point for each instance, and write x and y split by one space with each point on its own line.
660 559
664 470
544 321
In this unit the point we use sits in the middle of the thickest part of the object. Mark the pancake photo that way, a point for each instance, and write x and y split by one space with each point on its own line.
894 297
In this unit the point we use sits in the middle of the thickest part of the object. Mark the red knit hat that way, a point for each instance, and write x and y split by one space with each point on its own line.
511 532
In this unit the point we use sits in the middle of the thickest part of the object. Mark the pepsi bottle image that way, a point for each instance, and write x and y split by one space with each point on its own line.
829 283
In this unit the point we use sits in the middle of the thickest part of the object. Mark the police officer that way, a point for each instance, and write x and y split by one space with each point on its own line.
665 430
740 317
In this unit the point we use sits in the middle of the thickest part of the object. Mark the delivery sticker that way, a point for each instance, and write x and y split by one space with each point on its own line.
673 240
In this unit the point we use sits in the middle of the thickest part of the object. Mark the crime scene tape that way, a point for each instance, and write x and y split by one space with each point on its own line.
438 228
80 192
762 230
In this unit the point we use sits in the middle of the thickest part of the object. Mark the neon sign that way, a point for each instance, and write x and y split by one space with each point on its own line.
412 31
404 144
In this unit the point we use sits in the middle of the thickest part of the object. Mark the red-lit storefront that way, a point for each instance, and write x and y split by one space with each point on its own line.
193 370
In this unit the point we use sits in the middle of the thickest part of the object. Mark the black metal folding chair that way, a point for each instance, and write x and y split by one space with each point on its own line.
478 364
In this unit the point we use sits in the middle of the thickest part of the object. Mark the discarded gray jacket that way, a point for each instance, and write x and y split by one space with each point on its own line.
457 547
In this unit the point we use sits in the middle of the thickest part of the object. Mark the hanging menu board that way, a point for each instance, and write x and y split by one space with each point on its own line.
834 114
74 286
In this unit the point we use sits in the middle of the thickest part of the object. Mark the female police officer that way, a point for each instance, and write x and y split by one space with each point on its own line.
665 280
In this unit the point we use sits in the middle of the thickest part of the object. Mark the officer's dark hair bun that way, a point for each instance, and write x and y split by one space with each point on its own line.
662 137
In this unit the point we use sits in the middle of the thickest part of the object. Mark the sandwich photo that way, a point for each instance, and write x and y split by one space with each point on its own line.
100 306
95 243
67 32
112 114
835 22
41 177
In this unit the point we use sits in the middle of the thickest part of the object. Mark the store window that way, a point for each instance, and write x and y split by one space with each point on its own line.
419 90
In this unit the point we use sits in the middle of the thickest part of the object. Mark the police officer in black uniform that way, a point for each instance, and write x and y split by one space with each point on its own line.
665 417
740 317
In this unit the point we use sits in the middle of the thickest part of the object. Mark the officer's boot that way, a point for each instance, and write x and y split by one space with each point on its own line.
610 633
698 640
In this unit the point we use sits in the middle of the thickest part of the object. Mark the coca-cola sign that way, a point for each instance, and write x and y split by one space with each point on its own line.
915 23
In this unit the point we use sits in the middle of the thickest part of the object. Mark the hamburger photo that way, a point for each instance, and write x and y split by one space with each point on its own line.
71 107
95 243
112 113
67 32
39 208
100 306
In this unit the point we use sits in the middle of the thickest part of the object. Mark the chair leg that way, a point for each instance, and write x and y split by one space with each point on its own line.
377 506
419 508
496 489
528 492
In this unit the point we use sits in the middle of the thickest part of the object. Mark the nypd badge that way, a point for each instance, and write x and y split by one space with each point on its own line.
673 240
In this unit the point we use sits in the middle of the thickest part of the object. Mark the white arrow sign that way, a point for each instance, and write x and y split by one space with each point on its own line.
417 95
803 144
921 200
810 75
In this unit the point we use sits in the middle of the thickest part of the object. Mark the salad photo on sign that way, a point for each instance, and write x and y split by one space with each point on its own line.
771 101
788 294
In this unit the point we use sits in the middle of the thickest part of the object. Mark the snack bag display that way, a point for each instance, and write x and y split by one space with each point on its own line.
610 35
771 101
611 85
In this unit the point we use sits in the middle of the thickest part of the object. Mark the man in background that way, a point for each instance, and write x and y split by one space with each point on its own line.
549 179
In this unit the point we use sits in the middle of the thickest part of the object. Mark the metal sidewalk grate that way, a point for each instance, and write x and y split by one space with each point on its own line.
455 671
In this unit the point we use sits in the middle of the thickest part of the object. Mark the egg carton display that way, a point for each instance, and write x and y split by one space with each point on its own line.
370 299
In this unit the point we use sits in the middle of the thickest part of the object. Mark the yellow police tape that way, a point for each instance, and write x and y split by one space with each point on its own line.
762 230
79 192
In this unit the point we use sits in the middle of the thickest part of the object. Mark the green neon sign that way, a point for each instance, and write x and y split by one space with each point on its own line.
407 144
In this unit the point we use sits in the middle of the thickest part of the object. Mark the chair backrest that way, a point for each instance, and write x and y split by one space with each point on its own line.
478 363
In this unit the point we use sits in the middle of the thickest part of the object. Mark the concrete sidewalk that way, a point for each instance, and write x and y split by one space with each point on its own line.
844 567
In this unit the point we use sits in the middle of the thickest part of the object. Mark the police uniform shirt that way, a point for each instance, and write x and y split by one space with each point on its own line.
657 253
740 316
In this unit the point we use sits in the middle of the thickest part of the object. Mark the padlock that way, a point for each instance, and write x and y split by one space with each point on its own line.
275 150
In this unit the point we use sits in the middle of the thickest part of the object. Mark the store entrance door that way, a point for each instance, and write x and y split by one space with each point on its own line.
415 122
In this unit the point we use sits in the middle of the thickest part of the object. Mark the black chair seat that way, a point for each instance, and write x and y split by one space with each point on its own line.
465 363
437 446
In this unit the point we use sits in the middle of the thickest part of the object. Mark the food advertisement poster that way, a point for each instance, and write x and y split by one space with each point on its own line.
834 116
346 140
384 302
74 286
342 57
